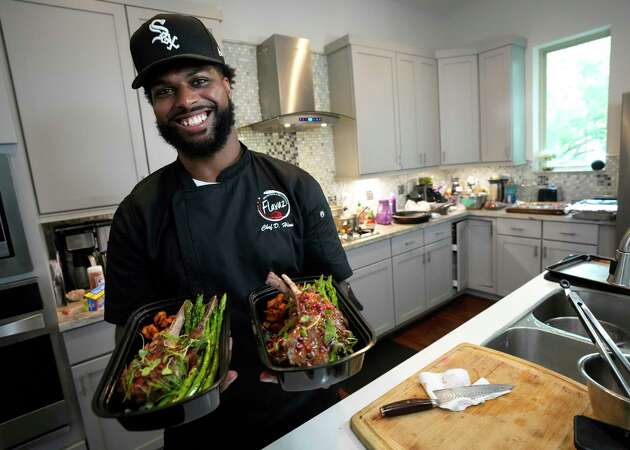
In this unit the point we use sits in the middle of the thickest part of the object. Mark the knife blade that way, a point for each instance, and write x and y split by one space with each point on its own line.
411 405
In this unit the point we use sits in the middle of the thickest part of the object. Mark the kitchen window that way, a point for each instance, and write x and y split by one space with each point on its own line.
574 102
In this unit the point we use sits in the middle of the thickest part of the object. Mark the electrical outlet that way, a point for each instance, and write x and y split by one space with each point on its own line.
401 189
369 195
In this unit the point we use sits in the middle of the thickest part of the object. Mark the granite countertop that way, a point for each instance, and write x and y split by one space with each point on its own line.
78 319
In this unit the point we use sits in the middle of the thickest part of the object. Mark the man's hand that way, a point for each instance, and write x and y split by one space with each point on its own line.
267 377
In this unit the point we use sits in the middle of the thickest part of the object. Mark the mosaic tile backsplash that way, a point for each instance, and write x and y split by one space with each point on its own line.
313 150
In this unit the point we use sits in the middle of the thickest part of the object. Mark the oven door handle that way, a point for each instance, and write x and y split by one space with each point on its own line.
23 325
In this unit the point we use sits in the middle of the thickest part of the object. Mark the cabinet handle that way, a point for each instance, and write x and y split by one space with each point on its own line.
439 233
535 252
408 243
429 256
566 233
424 258
545 252
517 228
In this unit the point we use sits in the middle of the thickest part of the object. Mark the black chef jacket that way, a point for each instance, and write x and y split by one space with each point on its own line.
170 238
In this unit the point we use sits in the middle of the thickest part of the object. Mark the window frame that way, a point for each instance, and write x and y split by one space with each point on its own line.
542 73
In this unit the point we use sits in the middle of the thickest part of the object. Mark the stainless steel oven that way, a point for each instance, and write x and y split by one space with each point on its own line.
33 400
14 256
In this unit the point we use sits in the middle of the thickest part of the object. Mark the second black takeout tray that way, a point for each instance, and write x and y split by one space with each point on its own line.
323 375
108 400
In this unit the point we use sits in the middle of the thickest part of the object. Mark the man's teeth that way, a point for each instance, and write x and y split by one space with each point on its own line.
194 120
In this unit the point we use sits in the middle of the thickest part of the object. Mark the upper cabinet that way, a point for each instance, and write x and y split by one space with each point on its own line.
392 95
418 111
159 153
72 73
459 109
7 127
502 104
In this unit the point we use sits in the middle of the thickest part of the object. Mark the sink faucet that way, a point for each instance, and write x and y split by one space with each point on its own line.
620 267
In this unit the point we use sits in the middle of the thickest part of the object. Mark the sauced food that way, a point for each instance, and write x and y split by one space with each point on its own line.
303 325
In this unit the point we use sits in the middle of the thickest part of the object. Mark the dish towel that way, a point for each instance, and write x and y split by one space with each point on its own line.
453 378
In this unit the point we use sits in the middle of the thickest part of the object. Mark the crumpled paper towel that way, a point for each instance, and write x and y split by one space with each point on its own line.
453 378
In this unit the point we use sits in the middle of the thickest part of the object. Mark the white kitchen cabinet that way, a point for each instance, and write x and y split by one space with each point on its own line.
106 434
459 109
438 272
372 286
502 104
554 251
480 256
159 153
363 86
518 260
418 111
72 72
409 285
7 127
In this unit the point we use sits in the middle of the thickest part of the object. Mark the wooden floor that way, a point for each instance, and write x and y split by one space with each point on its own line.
427 330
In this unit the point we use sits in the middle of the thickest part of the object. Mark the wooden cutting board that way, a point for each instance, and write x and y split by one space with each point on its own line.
537 414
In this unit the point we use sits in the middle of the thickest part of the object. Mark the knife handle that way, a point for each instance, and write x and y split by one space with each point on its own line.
410 405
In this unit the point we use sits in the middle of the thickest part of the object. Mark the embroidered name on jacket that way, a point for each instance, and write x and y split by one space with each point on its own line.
164 36
274 207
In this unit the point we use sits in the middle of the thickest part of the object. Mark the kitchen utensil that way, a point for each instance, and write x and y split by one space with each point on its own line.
473 201
589 271
538 414
322 375
411 405
497 188
108 400
601 339
607 400
408 217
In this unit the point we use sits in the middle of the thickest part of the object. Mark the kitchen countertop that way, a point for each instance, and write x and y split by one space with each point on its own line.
331 428
389 231
81 319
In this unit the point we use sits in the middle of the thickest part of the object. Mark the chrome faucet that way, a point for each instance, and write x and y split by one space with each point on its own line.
620 267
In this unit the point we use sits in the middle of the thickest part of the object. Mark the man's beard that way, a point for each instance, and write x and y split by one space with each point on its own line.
223 122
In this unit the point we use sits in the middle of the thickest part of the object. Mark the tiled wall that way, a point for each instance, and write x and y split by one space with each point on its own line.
313 150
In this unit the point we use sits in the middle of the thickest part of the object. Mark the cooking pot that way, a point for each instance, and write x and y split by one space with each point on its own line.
407 217
608 404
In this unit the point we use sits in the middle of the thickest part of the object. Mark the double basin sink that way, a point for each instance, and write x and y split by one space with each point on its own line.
552 336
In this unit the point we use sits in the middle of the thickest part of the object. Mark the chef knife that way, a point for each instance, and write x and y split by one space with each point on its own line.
411 405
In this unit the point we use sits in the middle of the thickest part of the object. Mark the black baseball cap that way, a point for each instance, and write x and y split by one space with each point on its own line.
168 37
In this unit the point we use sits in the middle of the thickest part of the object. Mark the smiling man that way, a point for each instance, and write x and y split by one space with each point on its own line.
217 219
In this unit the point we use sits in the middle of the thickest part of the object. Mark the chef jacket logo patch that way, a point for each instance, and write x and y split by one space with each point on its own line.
273 206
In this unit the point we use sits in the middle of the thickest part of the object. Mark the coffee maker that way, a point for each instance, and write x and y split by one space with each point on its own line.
497 189
78 247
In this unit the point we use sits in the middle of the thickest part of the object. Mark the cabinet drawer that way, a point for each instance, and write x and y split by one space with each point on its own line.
437 233
584 233
519 227
89 342
369 254
407 242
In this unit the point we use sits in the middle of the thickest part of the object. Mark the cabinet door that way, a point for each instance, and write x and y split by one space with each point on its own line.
72 73
409 287
518 262
376 109
480 257
7 127
553 251
159 153
459 109
439 272
372 286
106 434
495 100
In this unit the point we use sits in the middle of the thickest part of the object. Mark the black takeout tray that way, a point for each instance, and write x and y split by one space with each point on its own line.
587 271
107 400
323 375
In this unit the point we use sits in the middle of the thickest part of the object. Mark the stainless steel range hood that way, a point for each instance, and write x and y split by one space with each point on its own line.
285 80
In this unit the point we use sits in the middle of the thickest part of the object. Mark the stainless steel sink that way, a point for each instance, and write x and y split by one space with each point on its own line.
551 335
551 350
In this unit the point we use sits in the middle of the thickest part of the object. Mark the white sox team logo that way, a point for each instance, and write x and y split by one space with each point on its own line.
164 36
273 206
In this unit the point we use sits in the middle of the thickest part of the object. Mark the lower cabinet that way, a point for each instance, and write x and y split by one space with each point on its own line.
372 286
553 251
106 433
518 262
481 256
409 284
438 274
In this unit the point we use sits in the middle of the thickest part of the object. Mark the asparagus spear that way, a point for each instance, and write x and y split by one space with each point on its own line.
215 342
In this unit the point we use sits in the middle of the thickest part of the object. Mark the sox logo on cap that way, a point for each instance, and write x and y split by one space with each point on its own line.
164 35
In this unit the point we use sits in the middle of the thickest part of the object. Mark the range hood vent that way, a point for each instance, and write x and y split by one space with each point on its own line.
285 81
